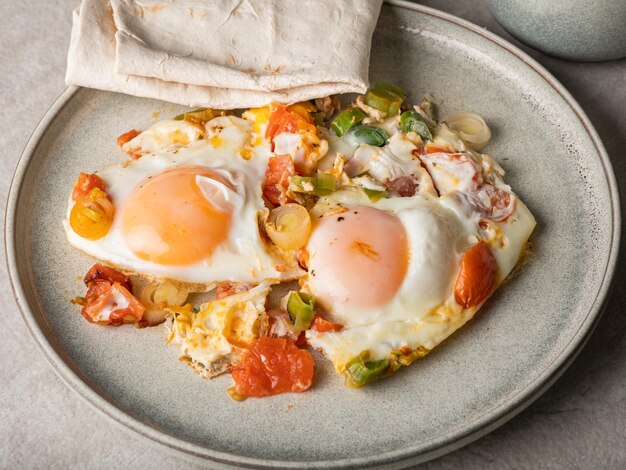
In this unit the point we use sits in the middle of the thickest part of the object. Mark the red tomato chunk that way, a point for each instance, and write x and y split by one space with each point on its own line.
85 183
109 300
272 366
323 326
280 169
100 272
477 277
127 137
111 304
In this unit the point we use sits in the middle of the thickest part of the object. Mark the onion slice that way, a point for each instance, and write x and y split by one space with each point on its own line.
289 226
156 298
471 127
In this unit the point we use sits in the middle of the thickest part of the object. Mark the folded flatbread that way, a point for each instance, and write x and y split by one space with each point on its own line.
223 53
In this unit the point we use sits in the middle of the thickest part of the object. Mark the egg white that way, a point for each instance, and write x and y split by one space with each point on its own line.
244 256
436 241
162 135
424 311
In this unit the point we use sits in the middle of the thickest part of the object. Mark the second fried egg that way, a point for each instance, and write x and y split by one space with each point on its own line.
386 270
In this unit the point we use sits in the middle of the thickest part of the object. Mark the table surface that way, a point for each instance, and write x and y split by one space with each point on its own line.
579 423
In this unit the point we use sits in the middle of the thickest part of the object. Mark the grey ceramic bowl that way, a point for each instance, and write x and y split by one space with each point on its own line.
585 30
520 342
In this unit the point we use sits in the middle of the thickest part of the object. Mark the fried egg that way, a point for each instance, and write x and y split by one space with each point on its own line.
386 270
189 209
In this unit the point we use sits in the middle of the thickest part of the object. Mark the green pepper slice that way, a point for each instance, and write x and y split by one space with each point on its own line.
390 87
325 184
370 135
321 185
383 100
360 372
346 119
301 310
413 121
374 194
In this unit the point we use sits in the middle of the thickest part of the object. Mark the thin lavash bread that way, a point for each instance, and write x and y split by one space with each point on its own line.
223 53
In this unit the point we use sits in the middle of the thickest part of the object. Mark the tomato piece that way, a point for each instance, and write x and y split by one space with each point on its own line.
477 277
132 312
109 300
99 272
85 183
434 149
281 120
111 304
293 119
301 341
323 326
227 288
272 366
97 296
92 215
279 171
127 137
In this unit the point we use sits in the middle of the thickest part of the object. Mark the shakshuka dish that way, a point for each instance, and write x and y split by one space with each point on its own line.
395 226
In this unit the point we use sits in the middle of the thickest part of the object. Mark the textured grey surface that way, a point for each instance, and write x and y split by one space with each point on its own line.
588 30
579 422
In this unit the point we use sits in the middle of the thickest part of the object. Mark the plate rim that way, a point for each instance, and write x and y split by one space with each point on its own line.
435 447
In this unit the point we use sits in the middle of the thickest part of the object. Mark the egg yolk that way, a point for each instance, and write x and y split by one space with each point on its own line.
168 220
358 258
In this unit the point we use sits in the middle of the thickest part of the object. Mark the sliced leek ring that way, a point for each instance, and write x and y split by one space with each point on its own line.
289 226
471 127
156 298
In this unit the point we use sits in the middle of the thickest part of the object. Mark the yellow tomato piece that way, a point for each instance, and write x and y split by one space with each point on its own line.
303 109
92 215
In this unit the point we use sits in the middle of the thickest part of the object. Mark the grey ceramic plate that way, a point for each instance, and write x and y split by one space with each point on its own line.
519 344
